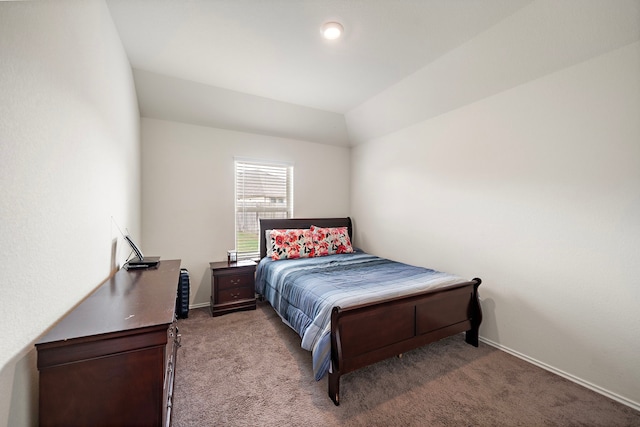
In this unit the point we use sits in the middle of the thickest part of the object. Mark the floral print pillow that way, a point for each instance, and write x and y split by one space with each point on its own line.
329 241
294 243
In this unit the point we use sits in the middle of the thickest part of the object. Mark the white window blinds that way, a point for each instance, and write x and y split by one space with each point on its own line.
262 191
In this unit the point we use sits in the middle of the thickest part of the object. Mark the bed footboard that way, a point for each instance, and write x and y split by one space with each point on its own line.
368 333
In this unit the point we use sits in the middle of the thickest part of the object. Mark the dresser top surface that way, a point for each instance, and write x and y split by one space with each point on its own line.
129 300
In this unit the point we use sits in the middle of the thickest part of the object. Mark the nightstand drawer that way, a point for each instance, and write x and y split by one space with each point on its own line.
235 294
235 281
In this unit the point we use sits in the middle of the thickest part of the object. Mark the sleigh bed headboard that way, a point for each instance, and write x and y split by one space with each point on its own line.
270 224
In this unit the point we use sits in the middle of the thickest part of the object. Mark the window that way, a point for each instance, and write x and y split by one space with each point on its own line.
263 190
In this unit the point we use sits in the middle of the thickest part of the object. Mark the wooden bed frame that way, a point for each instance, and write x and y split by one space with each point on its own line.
368 333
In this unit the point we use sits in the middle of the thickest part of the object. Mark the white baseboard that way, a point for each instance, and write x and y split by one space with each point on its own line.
573 378
200 305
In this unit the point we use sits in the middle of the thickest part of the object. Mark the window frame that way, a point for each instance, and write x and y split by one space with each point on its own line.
267 209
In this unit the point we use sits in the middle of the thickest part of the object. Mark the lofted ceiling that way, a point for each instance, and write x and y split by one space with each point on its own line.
271 52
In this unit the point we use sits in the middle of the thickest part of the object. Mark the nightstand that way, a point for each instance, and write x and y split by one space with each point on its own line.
232 287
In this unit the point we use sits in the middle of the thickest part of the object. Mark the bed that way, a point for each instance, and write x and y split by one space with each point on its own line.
356 309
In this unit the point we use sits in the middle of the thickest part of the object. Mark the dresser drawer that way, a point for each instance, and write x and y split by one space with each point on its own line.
235 281
235 294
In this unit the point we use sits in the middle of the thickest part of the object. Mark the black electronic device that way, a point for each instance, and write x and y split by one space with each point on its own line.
139 261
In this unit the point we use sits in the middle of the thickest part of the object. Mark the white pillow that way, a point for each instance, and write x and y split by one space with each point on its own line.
269 242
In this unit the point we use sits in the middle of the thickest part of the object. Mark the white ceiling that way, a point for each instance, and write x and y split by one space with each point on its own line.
273 49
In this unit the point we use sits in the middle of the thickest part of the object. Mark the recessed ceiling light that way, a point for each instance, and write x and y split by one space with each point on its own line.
332 30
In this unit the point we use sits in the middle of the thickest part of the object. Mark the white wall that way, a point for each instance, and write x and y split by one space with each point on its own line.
536 190
169 98
538 39
188 189
69 161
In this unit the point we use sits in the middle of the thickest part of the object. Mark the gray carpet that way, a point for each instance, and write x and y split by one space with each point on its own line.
247 369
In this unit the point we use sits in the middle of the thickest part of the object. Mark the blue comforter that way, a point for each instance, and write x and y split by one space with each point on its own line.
304 291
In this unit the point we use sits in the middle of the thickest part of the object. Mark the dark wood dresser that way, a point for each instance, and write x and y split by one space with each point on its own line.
232 287
111 360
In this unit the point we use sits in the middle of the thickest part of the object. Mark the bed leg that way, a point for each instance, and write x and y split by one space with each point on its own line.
334 387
